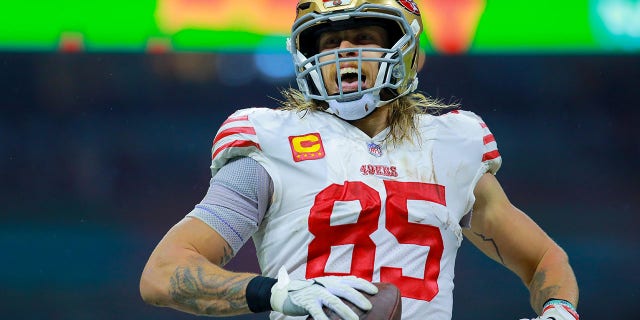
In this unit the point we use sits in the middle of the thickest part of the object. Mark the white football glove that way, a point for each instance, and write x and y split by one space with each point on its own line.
557 311
306 297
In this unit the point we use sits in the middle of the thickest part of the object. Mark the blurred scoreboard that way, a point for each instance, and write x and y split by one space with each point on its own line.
451 26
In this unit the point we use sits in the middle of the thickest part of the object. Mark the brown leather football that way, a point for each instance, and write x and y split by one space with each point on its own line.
387 305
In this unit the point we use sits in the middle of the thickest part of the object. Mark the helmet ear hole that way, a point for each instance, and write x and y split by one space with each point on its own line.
387 94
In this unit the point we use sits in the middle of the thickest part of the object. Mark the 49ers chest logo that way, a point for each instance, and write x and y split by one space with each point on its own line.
306 147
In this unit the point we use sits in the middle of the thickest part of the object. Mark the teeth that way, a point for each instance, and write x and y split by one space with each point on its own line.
348 70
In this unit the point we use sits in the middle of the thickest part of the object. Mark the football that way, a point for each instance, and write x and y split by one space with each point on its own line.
387 305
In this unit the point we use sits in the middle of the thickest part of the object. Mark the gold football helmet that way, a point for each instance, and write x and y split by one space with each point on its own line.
397 66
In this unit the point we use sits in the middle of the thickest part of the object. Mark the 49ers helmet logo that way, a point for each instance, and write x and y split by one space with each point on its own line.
410 5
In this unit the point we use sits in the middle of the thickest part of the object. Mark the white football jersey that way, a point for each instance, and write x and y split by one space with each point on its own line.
348 204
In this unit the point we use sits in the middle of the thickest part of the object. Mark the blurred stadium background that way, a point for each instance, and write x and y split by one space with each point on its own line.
108 109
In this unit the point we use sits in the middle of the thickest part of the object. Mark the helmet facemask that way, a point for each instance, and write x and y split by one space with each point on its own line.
394 76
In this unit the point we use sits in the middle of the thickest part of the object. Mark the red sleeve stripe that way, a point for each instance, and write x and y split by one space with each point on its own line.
235 144
482 124
234 130
490 155
488 139
233 119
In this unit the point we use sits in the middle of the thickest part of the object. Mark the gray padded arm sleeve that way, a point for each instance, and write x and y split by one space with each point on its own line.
237 200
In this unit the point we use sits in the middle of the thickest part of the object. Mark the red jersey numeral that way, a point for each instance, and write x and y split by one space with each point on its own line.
358 233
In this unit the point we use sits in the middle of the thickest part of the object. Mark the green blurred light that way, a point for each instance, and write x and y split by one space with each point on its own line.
119 25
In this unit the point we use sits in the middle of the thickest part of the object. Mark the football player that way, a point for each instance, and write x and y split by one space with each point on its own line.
357 178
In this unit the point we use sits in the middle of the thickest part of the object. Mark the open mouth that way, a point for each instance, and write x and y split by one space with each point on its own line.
350 79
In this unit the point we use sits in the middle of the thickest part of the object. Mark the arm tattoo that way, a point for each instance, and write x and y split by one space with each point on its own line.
228 254
493 243
207 294
540 293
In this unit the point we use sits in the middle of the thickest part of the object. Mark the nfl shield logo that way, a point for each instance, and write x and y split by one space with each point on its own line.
335 3
374 149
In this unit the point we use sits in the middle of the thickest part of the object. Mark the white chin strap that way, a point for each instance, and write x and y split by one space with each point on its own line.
354 109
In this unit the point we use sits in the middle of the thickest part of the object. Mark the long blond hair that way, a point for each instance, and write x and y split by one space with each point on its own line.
402 116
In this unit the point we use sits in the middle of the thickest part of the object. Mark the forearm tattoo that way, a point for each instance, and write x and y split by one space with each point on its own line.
539 292
208 294
482 236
